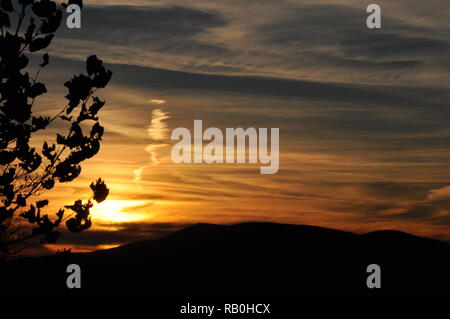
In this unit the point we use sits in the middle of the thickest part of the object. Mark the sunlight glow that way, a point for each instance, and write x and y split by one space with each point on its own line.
118 211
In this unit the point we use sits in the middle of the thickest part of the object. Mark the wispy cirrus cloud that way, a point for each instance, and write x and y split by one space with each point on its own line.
158 132
307 40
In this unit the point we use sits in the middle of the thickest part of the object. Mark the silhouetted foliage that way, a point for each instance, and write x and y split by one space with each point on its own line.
27 171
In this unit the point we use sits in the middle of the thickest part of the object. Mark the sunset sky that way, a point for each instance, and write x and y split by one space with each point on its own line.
363 114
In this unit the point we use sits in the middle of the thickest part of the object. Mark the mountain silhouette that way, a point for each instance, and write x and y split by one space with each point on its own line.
257 261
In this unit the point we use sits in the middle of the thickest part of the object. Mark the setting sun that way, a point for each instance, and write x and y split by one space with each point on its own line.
117 211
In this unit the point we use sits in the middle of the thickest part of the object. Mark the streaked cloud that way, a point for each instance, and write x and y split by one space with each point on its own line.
288 39
158 130
158 102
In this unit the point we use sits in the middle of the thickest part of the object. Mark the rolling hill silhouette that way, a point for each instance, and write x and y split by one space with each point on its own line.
256 261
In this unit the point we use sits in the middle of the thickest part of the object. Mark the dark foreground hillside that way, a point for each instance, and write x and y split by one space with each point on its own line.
253 261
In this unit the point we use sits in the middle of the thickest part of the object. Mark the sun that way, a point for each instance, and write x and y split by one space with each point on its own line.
118 211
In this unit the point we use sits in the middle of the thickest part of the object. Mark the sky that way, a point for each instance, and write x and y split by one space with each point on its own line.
363 114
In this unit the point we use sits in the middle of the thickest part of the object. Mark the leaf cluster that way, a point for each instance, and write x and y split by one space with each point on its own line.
26 171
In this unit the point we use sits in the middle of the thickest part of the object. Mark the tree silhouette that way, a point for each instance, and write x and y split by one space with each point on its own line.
26 171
